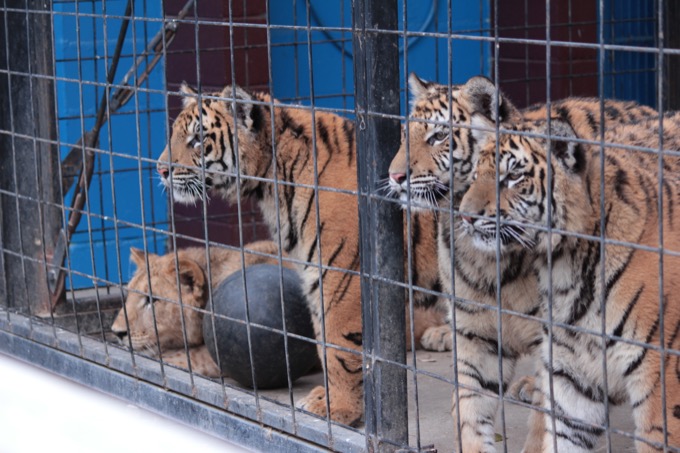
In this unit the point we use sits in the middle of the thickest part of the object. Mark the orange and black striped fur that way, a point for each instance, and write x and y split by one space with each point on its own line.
578 276
318 227
437 151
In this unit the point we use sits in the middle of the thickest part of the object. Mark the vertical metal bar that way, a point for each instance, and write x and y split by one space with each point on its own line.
662 337
279 247
150 151
22 233
452 242
527 98
548 53
60 194
39 148
376 88
317 226
672 73
409 245
499 300
231 100
130 15
85 209
114 208
296 57
603 250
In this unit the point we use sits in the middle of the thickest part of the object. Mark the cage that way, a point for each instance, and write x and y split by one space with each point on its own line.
89 93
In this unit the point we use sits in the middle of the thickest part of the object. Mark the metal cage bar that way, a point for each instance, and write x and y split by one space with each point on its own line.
371 44
381 225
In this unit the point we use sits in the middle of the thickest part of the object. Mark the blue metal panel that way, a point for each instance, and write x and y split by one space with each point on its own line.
120 195
331 51
631 75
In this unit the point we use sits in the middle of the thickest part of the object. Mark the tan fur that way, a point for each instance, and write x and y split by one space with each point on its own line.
178 334
631 194
245 136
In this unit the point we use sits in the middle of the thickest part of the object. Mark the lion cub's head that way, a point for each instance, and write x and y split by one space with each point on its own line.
160 300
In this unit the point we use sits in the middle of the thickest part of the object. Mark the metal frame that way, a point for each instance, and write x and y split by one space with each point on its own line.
38 332
203 405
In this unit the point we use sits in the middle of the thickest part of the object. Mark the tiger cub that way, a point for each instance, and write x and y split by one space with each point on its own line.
635 287
211 143
436 152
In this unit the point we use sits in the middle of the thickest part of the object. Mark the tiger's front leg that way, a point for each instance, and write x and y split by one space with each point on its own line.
579 408
646 397
342 320
526 390
479 380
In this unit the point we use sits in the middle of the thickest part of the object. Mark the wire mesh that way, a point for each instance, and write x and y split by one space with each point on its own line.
134 186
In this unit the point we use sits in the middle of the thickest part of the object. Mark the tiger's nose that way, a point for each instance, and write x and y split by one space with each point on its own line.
163 170
399 178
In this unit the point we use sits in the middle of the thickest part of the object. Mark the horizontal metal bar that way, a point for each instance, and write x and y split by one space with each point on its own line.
226 413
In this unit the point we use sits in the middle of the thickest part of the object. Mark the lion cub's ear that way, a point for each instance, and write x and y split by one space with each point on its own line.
191 276
137 256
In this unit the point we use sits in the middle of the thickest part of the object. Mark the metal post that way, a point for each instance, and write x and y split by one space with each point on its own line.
376 81
671 89
28 166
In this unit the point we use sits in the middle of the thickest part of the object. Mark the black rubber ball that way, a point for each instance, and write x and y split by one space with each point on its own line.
264 308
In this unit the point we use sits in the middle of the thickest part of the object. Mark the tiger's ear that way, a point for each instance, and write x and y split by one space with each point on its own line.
483 129
190 95
418 87
247 114
481 95
563 149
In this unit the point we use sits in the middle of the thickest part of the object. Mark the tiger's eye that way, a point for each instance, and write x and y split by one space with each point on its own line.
438 136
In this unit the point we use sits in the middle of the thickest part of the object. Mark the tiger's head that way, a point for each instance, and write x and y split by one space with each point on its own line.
206 138
522 194
440 141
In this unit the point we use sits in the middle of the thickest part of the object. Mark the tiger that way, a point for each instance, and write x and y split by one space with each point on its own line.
151 320
424 181
558 210
214 140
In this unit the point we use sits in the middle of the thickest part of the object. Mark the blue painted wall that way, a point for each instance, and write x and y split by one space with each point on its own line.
629 74
120 195
332 61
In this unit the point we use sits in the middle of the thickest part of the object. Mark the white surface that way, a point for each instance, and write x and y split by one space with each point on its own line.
43 412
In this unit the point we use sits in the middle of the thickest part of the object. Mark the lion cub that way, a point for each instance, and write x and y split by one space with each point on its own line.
171 332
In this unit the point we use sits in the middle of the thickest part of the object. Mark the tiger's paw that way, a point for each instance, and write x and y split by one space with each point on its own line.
479 446
315 402
439 338
523 389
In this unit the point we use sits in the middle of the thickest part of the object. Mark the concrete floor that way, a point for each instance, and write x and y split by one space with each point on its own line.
434 400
